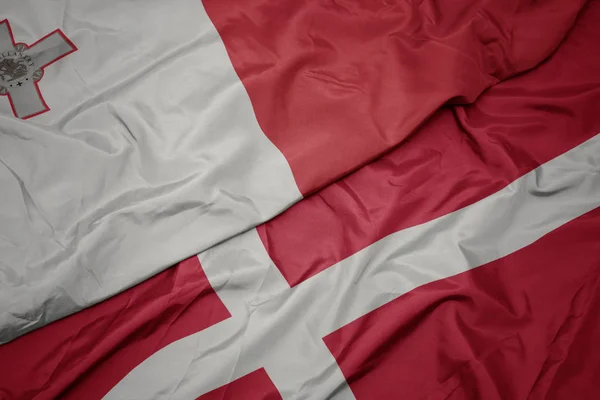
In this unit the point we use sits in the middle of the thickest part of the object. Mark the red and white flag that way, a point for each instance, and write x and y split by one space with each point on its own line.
136 134
463 264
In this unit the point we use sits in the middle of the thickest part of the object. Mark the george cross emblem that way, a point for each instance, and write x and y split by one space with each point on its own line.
22 67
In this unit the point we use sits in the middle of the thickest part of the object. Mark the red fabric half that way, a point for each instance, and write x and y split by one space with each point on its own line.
501 331
574 371
84 355
460 156
336 83
255 386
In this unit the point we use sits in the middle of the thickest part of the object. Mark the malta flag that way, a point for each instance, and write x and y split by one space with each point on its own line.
445 161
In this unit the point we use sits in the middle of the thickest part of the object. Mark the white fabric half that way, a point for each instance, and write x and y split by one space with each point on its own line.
151 153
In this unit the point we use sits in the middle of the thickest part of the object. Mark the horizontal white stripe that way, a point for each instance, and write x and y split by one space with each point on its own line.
151 154
281 328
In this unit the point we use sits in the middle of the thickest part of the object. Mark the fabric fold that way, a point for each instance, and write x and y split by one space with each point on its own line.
152 132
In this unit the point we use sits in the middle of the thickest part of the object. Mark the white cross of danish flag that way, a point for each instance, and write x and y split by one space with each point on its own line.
22 67
282 330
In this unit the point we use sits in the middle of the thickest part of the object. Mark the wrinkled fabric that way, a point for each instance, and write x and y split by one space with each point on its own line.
287 331
381 281
461 155
150 153
162 135
497 332
335 83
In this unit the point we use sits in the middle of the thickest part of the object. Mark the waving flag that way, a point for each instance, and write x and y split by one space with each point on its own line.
135 135
463 264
